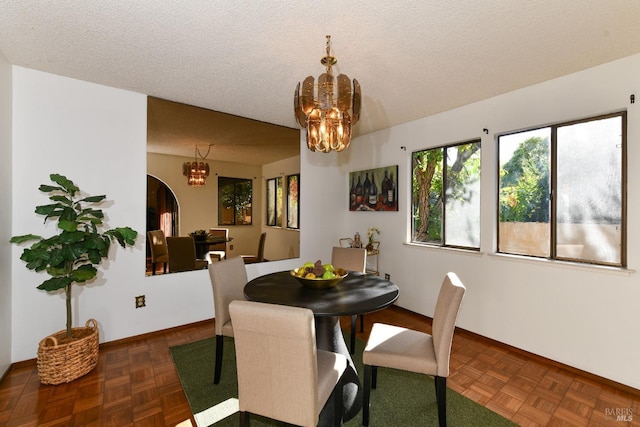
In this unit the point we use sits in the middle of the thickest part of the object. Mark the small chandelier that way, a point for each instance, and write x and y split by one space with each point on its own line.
197 172
328 110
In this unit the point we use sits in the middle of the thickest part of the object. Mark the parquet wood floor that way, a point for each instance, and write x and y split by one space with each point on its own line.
136 384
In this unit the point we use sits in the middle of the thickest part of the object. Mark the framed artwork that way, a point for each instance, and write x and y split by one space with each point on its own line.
293 201
374 189
274 202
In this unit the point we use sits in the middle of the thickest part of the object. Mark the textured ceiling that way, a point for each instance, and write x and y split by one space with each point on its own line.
244 58
178 129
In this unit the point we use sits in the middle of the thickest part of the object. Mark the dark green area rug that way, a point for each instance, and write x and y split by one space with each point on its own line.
402 399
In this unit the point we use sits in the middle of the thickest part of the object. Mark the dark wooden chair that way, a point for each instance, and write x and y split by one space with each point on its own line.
159 251
251 259
182 255
219 250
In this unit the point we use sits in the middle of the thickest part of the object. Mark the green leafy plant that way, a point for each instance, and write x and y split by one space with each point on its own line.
71 256
371 233
200 234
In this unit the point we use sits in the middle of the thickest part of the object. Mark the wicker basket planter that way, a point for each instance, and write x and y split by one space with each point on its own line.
61 360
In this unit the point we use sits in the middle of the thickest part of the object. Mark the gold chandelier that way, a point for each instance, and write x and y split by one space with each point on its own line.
197 171
328 110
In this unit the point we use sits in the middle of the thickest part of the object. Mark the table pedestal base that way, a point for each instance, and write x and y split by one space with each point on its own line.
329 337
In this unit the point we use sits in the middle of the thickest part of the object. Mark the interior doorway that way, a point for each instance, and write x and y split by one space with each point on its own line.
162 210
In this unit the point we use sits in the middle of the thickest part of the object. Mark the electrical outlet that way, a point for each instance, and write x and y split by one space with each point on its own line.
230 247
387 276
140 301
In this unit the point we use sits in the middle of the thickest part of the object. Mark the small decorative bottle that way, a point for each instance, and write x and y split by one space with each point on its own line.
352 194
357 243
372 197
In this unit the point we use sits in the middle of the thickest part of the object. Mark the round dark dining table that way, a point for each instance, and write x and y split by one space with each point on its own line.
358 293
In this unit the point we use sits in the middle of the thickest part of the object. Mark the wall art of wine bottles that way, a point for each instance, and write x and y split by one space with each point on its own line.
374 189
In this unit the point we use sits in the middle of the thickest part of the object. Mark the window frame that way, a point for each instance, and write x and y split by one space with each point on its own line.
293 202
554 194
275 202
443 231
223 182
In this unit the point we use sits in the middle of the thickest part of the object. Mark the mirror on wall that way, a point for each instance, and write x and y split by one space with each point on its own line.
236 149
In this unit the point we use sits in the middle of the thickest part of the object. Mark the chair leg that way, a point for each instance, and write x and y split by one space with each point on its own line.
338 405
218 368
374 377
244 419
366 395
153 268
441 398
354 319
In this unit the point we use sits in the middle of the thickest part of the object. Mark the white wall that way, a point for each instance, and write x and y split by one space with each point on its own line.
584 317
5 213
96 136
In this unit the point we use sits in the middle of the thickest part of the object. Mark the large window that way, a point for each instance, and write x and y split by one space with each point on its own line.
446 196
562 191
278 202
234 201
274 201
293 201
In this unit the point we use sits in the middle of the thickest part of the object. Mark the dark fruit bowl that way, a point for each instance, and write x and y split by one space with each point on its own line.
200 236
320 283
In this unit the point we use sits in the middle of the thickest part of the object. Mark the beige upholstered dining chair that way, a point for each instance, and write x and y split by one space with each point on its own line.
182 254
408 350
252 259
219 250
281 373
228 278
159 251
355 260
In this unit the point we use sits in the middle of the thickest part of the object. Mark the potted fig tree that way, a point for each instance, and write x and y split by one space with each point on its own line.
70 257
